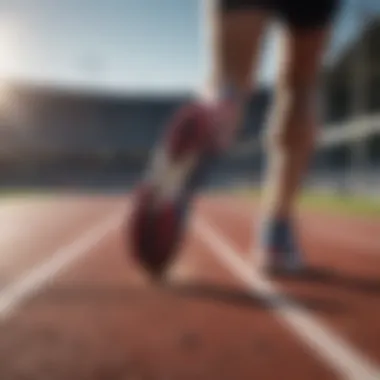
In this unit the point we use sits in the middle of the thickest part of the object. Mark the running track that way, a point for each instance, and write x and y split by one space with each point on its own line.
74 305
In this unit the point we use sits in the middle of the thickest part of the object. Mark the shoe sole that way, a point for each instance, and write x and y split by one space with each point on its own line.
162 201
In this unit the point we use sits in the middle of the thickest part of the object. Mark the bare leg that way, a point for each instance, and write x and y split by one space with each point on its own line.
295 119
236 42
291 142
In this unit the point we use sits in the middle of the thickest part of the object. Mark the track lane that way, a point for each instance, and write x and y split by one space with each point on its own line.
344 281
33 228
101 319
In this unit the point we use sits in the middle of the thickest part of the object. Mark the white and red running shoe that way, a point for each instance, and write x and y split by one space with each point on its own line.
161 201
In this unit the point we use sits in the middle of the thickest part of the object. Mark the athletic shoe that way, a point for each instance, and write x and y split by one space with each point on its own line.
278 250
162 199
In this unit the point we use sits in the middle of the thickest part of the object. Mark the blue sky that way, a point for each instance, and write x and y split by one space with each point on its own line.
134 45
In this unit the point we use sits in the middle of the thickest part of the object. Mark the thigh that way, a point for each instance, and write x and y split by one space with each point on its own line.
303 41
240 26
306 30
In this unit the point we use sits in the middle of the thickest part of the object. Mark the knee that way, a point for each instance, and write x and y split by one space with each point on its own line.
297 97
293 116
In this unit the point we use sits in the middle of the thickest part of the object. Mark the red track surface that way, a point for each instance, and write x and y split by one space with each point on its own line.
99 317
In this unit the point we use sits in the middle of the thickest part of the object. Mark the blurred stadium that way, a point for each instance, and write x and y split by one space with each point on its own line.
58 137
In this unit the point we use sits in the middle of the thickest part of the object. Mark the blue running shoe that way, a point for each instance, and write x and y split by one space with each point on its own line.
278 249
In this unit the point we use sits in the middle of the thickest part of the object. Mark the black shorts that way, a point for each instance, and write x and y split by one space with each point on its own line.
300 14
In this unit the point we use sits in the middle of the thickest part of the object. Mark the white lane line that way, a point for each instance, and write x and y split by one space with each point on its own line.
14 294
338 354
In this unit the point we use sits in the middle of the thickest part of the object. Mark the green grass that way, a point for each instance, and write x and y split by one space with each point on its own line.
7 194
337 204
16 193
23 190
353 205
342 204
